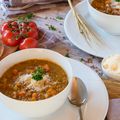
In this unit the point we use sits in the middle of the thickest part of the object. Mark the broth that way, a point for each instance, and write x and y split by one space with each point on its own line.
107 6
33 80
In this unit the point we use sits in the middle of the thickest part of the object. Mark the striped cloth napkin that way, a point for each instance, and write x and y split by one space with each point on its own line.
33 7
24 2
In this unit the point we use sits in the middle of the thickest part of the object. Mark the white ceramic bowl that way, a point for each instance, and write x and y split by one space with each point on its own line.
109 74
109 23
39 108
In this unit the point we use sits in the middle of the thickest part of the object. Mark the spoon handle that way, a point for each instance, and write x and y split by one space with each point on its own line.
80 113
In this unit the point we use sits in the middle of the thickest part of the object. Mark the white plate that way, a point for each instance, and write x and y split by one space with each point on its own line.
96 107
112 43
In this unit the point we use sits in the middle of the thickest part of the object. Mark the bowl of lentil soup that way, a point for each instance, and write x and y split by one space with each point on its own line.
35 82
106 14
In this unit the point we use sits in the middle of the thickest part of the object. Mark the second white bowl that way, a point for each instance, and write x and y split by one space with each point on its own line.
109 23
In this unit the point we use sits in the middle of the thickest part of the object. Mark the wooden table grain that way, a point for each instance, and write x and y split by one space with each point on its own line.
113 88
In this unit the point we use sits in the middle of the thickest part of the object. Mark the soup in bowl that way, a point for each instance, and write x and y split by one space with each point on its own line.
35 82
106 15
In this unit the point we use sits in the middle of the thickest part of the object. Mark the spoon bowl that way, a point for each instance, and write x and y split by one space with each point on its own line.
78 95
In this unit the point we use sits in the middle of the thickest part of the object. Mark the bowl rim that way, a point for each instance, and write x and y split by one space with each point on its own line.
47 99
102 13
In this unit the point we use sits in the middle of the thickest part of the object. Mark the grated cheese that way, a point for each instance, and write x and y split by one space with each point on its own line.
33 84
112 64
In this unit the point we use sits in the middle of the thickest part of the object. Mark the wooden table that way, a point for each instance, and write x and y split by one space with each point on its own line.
113 88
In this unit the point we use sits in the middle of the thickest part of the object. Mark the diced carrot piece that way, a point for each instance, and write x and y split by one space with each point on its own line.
51 92
21 93
15 71
34 96
46 67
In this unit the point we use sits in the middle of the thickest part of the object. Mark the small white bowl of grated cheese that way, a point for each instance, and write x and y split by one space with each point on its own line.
111 66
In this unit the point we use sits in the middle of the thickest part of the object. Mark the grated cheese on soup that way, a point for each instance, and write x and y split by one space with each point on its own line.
33 84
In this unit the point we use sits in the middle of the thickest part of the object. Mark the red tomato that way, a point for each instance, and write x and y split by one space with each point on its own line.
10 25
33 33
28 29
14 33
29 32
11 38
32 25
28 43
5 26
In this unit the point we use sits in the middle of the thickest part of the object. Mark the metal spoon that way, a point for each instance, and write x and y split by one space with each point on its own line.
78 95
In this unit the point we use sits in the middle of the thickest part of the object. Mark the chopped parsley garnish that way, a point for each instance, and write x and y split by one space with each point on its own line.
17 37
51 27
59 18
26 17
67 55
29 16
117 0
24 35
81 59
38 74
